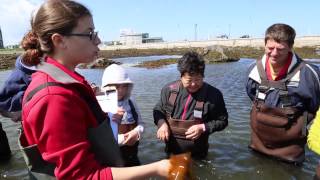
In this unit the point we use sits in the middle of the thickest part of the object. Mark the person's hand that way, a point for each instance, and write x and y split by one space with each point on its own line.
131 137
95 88
194 132
163 131
117 117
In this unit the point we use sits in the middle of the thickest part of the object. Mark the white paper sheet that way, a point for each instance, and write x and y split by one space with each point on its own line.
109 101
109 104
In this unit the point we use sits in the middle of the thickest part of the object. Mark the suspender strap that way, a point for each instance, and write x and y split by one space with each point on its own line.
174 90
42 86
172 98
295 70
95 108
200 101
199 105
198 111
133 111
92 104
262 73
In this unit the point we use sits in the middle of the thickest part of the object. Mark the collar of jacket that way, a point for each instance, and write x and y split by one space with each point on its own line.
56 73
254 74
24 68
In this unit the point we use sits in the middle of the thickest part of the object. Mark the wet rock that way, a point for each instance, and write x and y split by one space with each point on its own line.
221 54
158 63
98 64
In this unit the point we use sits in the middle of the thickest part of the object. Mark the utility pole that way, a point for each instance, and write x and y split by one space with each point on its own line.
195 32
229 31
1 40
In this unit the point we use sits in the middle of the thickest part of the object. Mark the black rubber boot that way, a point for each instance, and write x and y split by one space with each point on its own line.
5 152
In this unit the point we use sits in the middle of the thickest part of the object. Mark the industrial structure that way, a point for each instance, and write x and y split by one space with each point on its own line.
1 40
128 37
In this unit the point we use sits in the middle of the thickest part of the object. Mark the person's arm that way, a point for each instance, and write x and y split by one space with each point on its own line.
156 169
217 118
52 120
251 89
310 85
251 85
314 135
12 91
159 113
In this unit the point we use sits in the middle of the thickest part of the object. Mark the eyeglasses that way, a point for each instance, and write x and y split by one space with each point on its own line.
92 35
188 81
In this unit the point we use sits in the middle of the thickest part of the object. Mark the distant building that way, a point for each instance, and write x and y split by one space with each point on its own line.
111 43
152 40
1 40
128 37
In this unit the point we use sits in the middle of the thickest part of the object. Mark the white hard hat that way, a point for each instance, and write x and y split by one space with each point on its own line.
115 74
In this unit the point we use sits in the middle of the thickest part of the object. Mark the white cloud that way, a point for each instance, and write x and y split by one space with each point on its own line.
15 18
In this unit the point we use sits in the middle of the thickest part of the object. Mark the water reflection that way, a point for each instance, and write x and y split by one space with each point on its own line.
228 158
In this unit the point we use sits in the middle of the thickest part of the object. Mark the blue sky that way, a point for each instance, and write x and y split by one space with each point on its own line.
175 20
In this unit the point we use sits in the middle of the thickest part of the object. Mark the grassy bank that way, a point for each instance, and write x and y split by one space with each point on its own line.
7 61
8 58
211 54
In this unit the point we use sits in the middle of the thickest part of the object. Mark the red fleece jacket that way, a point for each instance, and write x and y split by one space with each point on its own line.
57 120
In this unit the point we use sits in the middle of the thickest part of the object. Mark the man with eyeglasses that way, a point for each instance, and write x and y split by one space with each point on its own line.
189 110
285 93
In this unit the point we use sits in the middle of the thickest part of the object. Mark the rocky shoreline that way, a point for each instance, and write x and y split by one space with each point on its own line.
157 63
211 54
7 61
